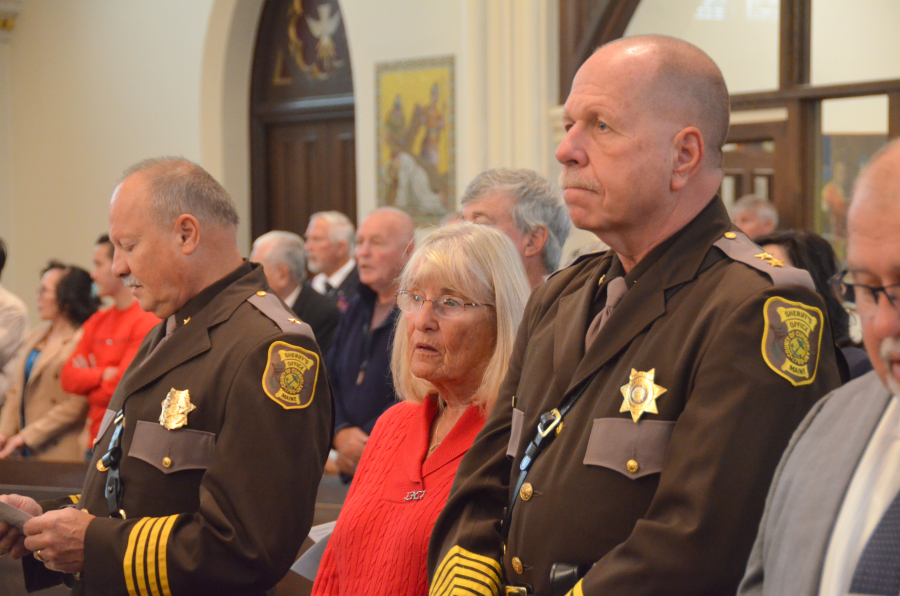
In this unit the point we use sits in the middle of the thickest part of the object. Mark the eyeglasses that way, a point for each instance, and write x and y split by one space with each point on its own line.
867 296
444 306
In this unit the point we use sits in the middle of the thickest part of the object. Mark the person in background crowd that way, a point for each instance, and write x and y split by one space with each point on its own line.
754 216
830 524
464 290
109 341
205 475
650 392
284 260
39 418
359 361
813 253
525 207
329 244
13 322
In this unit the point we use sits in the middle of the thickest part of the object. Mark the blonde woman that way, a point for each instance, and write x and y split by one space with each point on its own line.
462 296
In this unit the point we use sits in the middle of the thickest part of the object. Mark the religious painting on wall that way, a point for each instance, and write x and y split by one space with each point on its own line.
415 136
308 54
843 157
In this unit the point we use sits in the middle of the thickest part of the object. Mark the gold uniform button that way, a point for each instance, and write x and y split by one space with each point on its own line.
517 565
632 466
261 293
167 462
730 235
101 467
526 492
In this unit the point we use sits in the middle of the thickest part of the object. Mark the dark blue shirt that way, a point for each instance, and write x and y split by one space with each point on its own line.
359 365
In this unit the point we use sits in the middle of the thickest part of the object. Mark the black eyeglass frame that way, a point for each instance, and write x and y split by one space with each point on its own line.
841 282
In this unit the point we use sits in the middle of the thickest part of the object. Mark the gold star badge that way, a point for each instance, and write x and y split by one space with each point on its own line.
640 394
770 259
175 409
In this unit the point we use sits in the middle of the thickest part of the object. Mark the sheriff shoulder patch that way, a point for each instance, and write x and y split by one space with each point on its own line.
792 339
291 375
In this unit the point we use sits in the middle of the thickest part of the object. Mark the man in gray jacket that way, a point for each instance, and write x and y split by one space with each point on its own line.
832 519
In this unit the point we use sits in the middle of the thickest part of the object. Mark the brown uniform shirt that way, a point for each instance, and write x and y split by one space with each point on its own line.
222 504
668 504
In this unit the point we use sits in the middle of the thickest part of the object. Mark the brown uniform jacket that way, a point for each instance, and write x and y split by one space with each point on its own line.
666 505
54 420
221 505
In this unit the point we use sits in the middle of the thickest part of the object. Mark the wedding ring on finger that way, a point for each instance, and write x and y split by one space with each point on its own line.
37 555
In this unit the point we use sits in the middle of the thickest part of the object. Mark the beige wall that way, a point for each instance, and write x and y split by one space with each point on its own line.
95 86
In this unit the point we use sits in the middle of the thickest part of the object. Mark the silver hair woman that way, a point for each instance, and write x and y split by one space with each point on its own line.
462 296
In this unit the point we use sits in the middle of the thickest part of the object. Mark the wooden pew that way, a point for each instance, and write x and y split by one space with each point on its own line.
40 480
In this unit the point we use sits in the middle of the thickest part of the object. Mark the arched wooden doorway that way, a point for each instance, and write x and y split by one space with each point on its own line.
303 150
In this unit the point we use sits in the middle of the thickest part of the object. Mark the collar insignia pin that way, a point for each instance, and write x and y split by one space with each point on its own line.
175 409
770 259
640 394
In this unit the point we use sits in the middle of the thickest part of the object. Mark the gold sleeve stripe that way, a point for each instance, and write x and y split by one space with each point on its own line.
129 556
161 559
473 573
139 561
75 498
463 567
576 591
151 556
458 555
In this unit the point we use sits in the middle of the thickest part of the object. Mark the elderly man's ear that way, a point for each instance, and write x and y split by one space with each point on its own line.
689 150
188 230
535 241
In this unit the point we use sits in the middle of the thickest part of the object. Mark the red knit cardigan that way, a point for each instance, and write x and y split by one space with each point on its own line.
380 541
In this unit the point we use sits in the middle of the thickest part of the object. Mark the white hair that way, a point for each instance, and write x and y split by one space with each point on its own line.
287 249
340 228
764 209
479 263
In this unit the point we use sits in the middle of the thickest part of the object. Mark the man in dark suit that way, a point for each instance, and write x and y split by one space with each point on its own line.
284 260
652 388
330 240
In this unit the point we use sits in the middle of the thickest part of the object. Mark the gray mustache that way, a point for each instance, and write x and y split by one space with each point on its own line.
130 281
569 179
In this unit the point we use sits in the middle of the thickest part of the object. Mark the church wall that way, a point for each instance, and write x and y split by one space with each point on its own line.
94 86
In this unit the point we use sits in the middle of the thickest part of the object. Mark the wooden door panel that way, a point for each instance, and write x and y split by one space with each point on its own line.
311 167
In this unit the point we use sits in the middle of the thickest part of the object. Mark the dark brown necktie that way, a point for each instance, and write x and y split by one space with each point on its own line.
615 289
170 328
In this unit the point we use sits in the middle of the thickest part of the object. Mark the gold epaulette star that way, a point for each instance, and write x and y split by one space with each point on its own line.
770 259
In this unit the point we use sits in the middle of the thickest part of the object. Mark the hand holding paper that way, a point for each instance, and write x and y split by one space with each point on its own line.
15 510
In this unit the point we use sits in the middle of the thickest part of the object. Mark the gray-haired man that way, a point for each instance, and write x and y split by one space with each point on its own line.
330 240
284 260
528 209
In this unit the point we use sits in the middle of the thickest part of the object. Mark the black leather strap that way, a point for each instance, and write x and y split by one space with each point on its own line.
110 460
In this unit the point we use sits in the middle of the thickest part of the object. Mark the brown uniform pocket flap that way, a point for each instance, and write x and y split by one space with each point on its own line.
632 449
172 450
515 432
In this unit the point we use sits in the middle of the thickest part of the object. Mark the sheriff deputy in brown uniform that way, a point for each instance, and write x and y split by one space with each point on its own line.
205 473
632 444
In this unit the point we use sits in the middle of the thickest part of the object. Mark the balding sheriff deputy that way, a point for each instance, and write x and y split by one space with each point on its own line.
653 388
205 472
